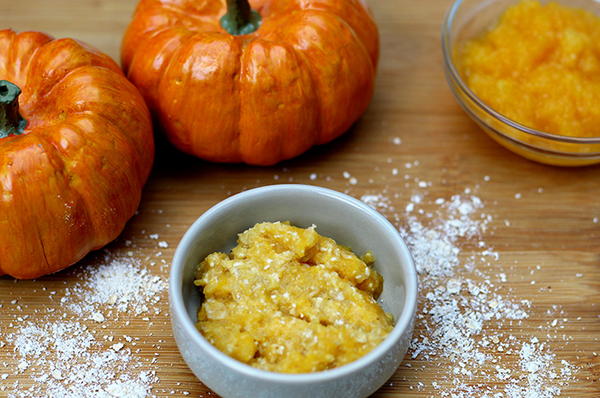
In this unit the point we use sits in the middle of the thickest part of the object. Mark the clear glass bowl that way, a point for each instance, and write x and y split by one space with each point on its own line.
469 18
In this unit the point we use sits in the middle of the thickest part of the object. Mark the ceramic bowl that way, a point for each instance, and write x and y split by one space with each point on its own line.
343 218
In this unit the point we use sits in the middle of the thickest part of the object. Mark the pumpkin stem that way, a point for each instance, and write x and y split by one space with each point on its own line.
240 19
11 121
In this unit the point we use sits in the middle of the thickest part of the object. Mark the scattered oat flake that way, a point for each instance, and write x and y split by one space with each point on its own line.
98 317
66 361
461 307
64 358
121 283
117 347
378 202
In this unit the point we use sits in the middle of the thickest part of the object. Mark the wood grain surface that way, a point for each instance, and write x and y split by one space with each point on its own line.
551 239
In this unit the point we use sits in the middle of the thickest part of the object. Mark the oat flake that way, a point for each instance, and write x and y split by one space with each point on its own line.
120 283
461 306
64 358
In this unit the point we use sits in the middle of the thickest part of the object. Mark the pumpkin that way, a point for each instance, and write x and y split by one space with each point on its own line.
75 150
255 83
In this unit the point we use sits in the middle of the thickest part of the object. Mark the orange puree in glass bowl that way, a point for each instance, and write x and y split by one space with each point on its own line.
539 66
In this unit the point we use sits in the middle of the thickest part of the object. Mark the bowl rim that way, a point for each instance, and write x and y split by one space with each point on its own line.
403 323
456 77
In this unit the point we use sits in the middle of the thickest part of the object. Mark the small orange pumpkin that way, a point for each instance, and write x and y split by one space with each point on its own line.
259 84
75 150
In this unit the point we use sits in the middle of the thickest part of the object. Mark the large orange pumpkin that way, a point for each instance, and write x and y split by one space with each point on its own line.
75 149
227 91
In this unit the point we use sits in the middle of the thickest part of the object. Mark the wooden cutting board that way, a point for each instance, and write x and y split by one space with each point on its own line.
552 238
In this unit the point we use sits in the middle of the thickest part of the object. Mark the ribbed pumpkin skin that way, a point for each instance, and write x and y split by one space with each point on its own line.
71 182
303 78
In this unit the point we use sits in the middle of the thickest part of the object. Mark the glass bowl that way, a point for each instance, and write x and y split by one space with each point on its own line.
469 18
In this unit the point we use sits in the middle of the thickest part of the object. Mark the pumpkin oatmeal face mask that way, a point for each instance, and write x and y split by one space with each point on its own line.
289 300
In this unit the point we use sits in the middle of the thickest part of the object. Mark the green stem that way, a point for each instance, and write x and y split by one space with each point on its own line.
11 121
240 19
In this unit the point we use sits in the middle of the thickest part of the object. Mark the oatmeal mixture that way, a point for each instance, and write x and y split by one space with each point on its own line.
289 300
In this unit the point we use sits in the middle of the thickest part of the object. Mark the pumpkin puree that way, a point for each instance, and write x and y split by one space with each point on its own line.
540 66
289 300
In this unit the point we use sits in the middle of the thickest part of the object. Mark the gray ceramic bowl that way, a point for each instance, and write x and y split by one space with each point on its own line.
347 220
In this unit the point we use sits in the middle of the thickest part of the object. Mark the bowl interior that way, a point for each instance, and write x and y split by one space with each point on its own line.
347 220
